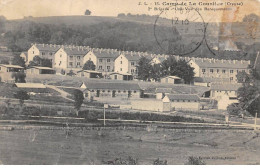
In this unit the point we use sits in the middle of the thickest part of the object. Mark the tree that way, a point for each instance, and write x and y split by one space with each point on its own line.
156 72
178 68
19 77
38 61
17 60
87 12
243 77
249 98
78 100
22 96
144 68
89 65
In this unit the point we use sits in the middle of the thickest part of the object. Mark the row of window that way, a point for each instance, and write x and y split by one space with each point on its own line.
101 60
78 57
100 67
223 71
71 63
119 91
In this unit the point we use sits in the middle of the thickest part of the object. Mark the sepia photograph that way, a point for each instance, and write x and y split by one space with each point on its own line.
129 82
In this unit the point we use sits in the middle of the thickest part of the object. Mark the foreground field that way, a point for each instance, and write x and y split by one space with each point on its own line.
88 146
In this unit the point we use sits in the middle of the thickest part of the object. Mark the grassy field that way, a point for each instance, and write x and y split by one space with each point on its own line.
100 146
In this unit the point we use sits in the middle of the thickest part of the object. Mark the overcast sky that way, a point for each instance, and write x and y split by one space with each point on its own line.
16 9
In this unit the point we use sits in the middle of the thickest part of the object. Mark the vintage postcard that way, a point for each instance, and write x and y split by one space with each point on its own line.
129 82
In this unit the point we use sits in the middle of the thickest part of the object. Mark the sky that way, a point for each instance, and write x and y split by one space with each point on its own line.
17 9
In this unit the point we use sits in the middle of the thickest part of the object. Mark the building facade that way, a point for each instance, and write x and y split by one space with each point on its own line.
111 90
186 102
46 51
104 59
70 58
220 69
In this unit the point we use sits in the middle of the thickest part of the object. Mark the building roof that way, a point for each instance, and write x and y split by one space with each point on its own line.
225 86
131 56
210 80
161 59
89 71
30 85
163 90
48 47
11 66
229 64
120 73
76 50
43 68
113 86
106 53
183 97
172 77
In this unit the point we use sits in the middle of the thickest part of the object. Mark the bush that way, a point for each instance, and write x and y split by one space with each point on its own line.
234 109
159 162
195 161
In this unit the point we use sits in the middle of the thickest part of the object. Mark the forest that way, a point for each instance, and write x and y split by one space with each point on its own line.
121 35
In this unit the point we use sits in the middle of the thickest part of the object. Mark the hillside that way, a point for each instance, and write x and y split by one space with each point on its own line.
132 33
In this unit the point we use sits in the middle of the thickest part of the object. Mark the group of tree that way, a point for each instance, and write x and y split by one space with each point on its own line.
169 67
126 36
38 61
89 65
248 95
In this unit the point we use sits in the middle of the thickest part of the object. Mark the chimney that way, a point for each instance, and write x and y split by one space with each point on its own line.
222 60
234 61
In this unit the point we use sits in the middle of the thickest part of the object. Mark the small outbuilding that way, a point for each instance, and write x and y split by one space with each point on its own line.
40 70
121 76
161 92
172 80
121 90
187 102
7 70
89 74
151 105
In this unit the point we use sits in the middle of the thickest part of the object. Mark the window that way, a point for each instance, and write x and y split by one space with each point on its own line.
108 67
119 91
211 70
231 71
78 63
203 70
217 70
183 100
61 55
71 63
33 52
223 71
231 78
100 67
132 70
120 69
188 100
177 100
100 60
132 63
50 53
78 57
103 90
134 91
121 62
108 60
108 91
71 57
89 59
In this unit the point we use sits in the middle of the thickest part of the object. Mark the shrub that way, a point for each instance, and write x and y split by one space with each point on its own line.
234 109
192 160
159 162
